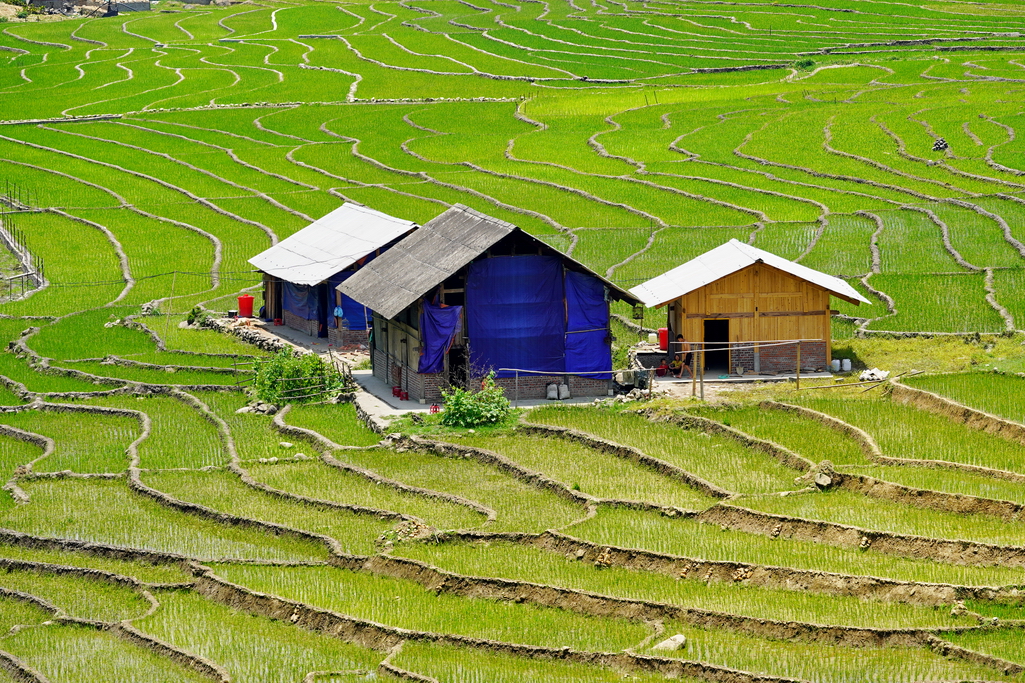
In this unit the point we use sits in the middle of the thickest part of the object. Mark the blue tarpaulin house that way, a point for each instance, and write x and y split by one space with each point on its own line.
302 272
468 294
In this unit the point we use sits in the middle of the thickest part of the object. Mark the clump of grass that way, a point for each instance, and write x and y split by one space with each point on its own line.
589 470
84 442
81 597
180 436
139 569
456 665
515 562
225 492
105 511
251 647
846 507
317 480
337 422
688 538
804 661
80 654
991 392
717 459
405 604
520 506
898 429
812 439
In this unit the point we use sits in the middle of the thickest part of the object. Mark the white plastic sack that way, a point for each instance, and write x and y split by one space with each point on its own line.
563 391
552 392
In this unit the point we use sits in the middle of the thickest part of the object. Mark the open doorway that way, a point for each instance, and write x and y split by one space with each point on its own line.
717 346
324 308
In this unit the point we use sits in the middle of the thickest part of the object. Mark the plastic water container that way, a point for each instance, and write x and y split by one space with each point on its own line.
663 338
834 365
845 364
652 338
245 306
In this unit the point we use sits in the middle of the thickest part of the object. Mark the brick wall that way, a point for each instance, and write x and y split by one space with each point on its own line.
536 386
784 358
296 323
380 366
743 358
347 338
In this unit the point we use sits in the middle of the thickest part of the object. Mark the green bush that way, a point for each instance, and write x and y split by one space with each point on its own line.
290 378
472 409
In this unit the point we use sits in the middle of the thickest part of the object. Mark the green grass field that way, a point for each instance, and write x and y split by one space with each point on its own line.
145 157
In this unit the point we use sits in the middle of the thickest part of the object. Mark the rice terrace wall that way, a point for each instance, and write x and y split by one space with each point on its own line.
153 527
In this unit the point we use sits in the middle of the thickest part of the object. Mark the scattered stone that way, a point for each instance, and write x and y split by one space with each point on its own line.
959 609
412 529
742 573
241 411
417 418
285 444
301 456
580 554
865 543
677 642
776 531
604 559
823 480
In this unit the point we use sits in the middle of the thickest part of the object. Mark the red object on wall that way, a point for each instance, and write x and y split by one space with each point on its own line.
663 337
245 306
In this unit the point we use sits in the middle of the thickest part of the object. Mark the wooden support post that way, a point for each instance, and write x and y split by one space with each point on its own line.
702 364
798 369
693 375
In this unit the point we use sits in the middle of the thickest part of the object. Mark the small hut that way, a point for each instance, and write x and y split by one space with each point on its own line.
467 294
301 273
750 308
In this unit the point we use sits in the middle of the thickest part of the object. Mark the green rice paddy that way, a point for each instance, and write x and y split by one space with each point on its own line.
631 136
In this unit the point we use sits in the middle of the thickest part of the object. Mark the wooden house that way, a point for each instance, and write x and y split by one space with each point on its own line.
467 294
301 273
749 308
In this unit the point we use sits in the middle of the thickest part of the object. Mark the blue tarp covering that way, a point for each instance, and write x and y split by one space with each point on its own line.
437 326
587 326
515 314
358 316
299 300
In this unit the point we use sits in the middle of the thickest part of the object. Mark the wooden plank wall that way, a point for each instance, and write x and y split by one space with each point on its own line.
761 302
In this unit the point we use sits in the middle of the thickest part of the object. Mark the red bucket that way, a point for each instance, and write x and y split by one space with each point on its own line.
245 306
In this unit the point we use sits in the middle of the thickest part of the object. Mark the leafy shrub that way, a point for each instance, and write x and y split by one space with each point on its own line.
805 63
471 409
197 316
291 378
23 14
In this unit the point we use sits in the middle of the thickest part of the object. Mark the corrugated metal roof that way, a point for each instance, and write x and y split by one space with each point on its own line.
727 259
424 259
330 244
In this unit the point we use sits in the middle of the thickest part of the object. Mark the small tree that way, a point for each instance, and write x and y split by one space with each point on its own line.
472 409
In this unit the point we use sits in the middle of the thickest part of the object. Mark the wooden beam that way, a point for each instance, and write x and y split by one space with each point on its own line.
721 315
786 314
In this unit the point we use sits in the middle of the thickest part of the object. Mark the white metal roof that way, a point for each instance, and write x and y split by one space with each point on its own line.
330 244
727 259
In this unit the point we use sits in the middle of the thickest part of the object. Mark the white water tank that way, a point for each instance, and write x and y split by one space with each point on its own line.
652 338
845 364
834 365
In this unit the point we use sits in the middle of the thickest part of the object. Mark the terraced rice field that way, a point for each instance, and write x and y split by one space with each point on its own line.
149 533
